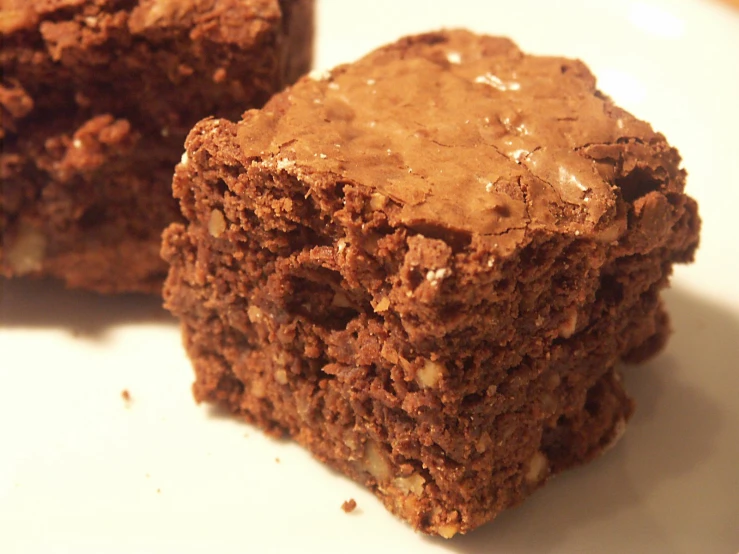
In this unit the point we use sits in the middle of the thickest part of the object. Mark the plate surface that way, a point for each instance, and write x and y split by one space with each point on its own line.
84 470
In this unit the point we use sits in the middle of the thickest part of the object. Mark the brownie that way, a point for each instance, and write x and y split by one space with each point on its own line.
97 97
426 266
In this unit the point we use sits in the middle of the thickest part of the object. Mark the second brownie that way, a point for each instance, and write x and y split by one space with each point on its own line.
97 98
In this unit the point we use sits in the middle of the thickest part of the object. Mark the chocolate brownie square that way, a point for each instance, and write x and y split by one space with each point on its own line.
425 267
97 97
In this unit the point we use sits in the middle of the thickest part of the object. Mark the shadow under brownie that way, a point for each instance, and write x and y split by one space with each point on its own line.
97 98
425 266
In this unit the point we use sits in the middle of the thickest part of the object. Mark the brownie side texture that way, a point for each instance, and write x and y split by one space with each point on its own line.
97 98
425 267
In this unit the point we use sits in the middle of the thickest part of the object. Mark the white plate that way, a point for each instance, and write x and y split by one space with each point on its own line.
82 470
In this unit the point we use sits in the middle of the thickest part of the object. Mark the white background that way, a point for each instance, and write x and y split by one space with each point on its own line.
81 470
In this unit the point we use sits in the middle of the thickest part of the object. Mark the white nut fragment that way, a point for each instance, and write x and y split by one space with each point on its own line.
451 526
412 484
618 431
612 233
280 358
281 376
383 305
389 353
254 314
285 163
447 531
454 57
185 159
377 201
216 223
351 442
303 406
26 254
375 462
537 468
340 300
567 328
428 376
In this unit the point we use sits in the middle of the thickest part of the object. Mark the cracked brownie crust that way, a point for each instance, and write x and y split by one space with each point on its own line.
97 97
425 266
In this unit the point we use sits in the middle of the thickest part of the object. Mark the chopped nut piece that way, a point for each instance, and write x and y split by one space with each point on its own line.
448 531
612 233
618 431
411 484
216 223
428 376
254 314
378 201
382 305
281 376
389 353
340 300
567 328
351 442
219 75
375 462
537 468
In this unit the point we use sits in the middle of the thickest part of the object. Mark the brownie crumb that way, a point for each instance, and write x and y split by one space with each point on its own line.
349 506
126 396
